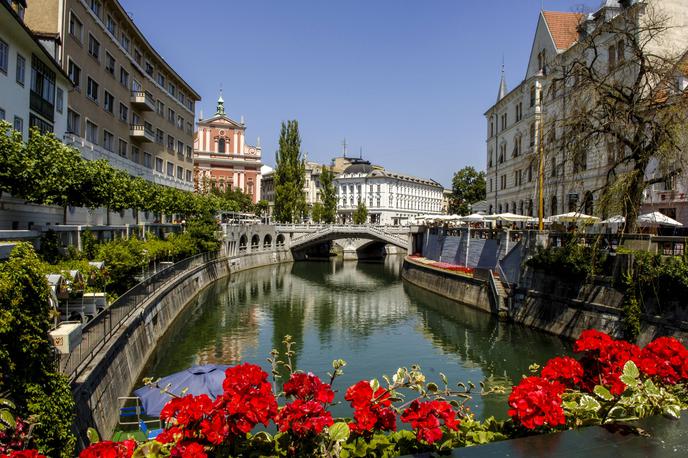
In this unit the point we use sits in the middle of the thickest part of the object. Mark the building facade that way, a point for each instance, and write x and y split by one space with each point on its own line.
129 106
223 159
524 133
311 188
391 198
34 87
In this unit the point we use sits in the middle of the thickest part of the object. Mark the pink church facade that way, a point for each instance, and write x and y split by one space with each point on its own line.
222 157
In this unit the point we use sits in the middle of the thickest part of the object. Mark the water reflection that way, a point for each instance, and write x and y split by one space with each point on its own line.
360 312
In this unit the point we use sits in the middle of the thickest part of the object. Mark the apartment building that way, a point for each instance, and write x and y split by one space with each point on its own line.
128 105
526 117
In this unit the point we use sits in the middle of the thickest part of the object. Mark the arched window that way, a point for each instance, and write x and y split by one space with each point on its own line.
221 145
554 206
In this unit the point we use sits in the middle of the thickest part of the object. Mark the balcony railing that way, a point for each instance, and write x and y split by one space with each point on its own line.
141 132
143 100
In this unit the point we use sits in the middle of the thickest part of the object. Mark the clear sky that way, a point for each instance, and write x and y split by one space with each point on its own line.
408 82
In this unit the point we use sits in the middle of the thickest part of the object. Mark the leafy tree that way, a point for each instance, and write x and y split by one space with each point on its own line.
317 212
15 165
360 215
468 186
290 176
234 199
328 195
125 260
262 207
27 363
202 231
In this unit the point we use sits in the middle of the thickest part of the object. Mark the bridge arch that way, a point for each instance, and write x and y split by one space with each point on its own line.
330 233
255 242
267 241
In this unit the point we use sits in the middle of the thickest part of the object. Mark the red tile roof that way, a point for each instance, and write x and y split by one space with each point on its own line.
563 27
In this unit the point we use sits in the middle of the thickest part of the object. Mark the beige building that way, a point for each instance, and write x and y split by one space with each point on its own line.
529 114
129 105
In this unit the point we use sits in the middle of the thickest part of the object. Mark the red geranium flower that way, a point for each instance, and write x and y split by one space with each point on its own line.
591 340
23 454
537 402
564 369
303 418
186 410
604 360
665 358
308 387
425 418
188 449
108 449
371 410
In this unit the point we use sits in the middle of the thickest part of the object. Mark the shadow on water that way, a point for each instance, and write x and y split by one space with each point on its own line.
361 312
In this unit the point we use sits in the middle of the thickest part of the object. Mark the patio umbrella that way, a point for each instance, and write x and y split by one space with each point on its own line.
618 219
509 217
657 219
574 217
474 218
197 380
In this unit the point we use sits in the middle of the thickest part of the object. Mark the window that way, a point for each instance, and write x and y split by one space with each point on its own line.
171 89
21 69
221 145
189 176
109 63
95 7
530 173
149 68
554 167
91 132
122 149
180 122
159 136
170 143
4 56
189 128
502 184
18 124
75 27
532 134
108 140
170 169
108 102
73 122
161 79
170 115
124 78
158 164
160 108
92 90
137 56
504 121
620 53
124 41
180 147
123 112
74 73
110 24
533 95
135 154
180 173
147 160
136 86
189 152
93 47
611 59
42 99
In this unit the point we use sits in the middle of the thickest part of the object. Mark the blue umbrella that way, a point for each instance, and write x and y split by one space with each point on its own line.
197 380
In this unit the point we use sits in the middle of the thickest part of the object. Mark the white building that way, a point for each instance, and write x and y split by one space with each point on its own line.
527 115
33 86
391 198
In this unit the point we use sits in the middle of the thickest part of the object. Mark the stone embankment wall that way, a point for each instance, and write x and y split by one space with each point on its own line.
116 370
469 291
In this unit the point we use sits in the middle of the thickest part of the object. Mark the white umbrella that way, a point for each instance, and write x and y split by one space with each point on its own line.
574 217
510 217
618 219
474 218
657 219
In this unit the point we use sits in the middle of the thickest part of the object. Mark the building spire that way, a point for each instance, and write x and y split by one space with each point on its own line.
220 105
502 85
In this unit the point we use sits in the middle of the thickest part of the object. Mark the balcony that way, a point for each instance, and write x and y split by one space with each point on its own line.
143 100
141 133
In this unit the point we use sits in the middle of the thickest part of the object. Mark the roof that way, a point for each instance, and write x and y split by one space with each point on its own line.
361 167
563 27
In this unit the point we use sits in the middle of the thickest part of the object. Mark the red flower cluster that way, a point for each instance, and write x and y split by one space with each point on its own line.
665 358
565 370
425 418
308 387
188 449
452 267
108 449
536 402
604 360
23 454
371 410
186 410
13 440
303 418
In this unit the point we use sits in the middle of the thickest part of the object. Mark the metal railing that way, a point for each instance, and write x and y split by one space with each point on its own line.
104 325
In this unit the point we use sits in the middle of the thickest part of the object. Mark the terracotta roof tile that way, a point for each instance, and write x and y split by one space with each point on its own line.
563 27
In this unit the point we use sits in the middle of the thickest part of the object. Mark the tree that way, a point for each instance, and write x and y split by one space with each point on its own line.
317 212
626 107
468 187
290 176
262 207
328 195
360 215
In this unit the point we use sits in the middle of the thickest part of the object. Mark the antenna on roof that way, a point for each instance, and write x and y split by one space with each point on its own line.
344 146
360 153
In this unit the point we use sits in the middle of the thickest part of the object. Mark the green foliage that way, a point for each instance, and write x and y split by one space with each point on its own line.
360 215
50 246
27 372
290 176
203 232
233 200
125 260
262 207
468 186
317 212
572 260
328 195
89 244
631 310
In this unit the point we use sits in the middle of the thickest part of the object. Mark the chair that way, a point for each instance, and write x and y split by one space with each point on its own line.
150 434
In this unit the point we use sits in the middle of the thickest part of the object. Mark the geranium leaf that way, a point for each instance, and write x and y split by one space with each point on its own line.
92 435
589 403
603 393
631 370
339 432
673 411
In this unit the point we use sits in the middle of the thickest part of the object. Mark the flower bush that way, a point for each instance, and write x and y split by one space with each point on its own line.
613 380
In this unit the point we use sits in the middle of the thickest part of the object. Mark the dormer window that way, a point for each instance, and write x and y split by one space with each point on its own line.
542 61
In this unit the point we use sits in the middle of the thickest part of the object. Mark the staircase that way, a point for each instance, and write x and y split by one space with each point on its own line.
500 295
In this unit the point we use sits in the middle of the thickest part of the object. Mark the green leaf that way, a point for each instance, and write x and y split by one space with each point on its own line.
7 419
629 381
603 393
673 411
92 435
589 403
374 384
6 403
651 388
339 432
432 387
631 370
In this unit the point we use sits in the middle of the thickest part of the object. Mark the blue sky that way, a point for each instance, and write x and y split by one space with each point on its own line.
406 81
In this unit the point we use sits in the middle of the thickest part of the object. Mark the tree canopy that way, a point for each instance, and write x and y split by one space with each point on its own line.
360 215
468 187
328 195
290 176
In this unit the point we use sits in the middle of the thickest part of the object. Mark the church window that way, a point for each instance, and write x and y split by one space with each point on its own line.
221 145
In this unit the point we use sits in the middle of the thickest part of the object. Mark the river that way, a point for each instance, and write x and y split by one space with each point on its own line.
360 312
